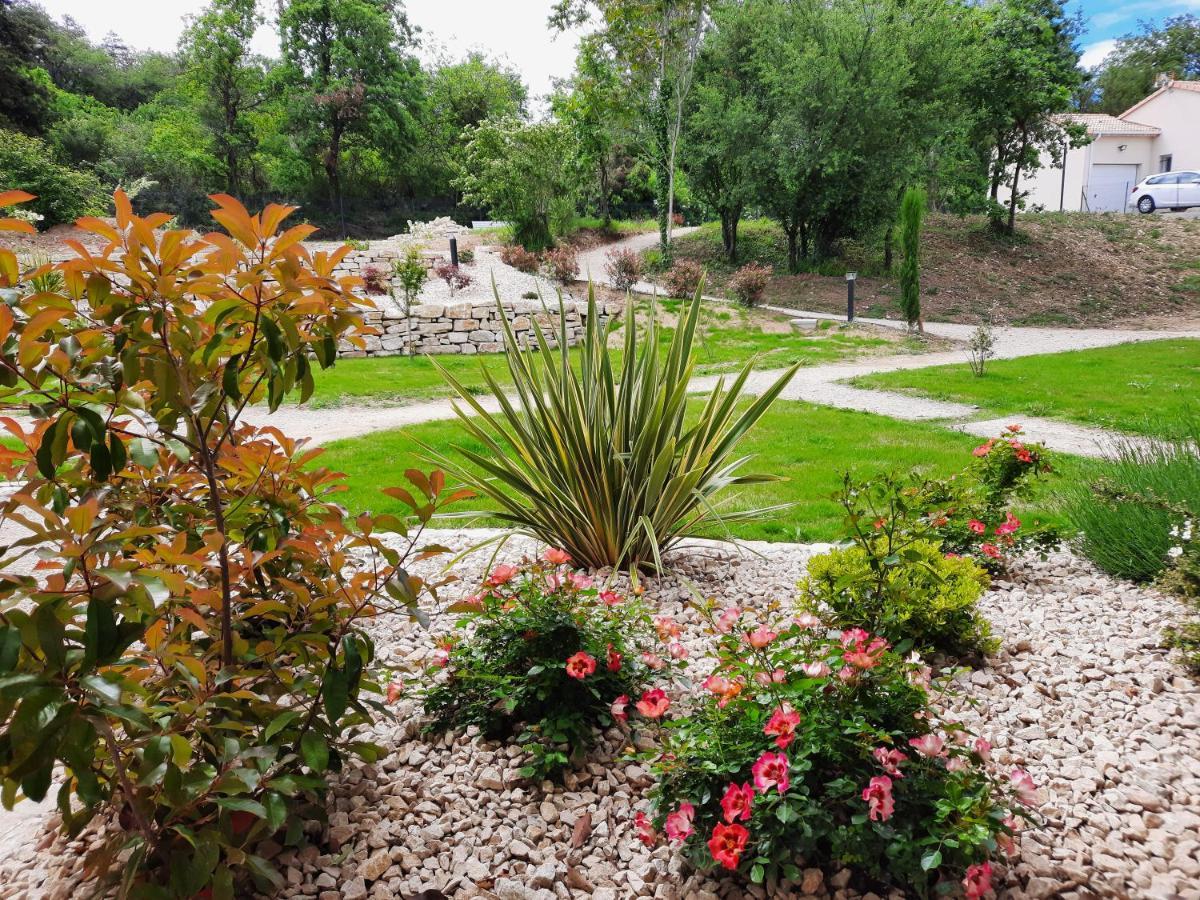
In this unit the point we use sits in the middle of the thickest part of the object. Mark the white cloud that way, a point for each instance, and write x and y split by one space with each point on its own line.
514 30
1093 54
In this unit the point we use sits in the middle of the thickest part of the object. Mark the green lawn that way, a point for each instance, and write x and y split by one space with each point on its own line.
809 445
729 336
1144 388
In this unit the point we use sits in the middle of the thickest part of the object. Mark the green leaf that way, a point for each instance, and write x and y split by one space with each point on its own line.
51 634
10 648
315 751
144 453
277 810
931 860
280 722
337 694
757 873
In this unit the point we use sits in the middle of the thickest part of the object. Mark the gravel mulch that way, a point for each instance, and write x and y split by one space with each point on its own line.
1082 695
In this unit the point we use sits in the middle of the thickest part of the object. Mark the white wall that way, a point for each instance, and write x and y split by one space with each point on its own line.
1046 186
1177 113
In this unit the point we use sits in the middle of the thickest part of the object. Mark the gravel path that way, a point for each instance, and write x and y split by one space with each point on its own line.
1080 694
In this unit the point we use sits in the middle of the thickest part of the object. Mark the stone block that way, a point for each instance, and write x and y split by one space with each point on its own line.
459 311
434 326
429 311
482 337
458 337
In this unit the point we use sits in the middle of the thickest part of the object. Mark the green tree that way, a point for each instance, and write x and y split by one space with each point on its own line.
459 96
912 213
725 150
659 42
598 107
347 73
1028 74
229 81
24 99
63 194
1128 73
524 174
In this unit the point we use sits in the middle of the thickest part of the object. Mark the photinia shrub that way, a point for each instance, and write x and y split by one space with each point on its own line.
623 267
814 747
683 279
561 265
546 656
519 258
188 653
455 277
749 283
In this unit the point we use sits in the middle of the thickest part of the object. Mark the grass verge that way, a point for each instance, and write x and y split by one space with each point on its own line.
1146 388
808 445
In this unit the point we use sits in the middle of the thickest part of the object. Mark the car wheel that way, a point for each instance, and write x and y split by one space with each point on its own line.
1146 205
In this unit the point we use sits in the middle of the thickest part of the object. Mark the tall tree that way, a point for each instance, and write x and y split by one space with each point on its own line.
1028 74
1128 73
346 72
659 41
459 96
24 34
725 152
216 51
596 104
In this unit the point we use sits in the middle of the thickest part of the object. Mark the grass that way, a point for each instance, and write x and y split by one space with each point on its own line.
729 337
809 445
1145 388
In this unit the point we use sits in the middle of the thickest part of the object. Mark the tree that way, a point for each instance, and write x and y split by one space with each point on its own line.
598 108
346 72
63 194
524 174
725 151
216 50
24 34
659 41
458 96
1028 74
912 212
1128 73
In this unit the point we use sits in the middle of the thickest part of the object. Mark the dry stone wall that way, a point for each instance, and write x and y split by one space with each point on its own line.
471 326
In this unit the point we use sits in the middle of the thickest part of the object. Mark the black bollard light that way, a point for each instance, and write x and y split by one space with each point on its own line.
850 277
454 251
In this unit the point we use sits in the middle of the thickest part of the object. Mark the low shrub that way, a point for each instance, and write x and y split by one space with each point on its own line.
623 268
466 256
813 747
62 194
375 280
519 258
547 657
908 591
455 277
749 283
599 455
683 279
561 265
1125 508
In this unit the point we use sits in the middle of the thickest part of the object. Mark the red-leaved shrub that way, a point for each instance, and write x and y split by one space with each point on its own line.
683 279
519 258
624 268
561 265
749 283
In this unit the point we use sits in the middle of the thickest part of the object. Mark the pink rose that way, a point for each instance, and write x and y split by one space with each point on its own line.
771 771
679 823
878 794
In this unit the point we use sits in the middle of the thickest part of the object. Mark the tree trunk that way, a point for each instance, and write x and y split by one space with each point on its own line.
888 248
333 173
605 190
1016 180
793 251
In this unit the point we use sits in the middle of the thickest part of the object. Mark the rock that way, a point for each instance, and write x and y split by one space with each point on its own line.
813 879
378 863
490 779
355 889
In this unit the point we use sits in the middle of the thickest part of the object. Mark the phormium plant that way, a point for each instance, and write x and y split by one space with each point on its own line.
550 658
606 460
188 652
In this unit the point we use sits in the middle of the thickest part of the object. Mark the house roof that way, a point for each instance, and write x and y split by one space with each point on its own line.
1172 85
1099 124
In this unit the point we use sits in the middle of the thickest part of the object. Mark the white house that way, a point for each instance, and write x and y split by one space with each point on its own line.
1159 134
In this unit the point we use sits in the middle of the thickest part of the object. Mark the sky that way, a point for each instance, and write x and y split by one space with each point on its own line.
515 30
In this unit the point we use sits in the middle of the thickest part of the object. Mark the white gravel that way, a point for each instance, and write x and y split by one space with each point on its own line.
1081 694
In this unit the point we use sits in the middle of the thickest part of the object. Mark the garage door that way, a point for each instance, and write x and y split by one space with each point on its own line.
1108 187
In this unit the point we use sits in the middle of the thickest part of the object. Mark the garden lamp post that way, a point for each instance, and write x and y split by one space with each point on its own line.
850 278
454 251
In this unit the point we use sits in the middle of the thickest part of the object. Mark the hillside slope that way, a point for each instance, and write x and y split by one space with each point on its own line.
1061 269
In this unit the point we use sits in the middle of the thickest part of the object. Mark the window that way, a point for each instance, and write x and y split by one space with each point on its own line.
1164 163
1164 179
1189 177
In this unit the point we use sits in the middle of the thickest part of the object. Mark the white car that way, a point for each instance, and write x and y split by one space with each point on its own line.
1169 190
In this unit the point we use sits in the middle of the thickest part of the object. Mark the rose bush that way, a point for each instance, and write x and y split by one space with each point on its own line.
814 747
544 654
971 513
